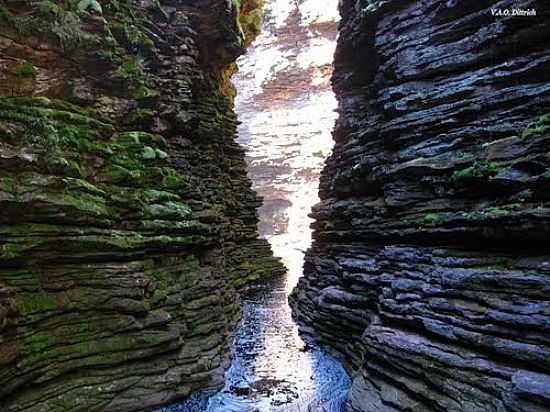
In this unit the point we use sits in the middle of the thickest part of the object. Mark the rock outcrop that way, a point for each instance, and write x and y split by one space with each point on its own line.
127 222
429 275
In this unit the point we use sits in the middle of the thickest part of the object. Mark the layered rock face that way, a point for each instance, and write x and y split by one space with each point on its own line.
127 221
430 269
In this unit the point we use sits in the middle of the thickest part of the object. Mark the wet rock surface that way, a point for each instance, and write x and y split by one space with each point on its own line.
127 222
429 271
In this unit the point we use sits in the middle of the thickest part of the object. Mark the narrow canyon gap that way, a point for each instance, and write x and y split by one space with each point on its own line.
286 107
135 272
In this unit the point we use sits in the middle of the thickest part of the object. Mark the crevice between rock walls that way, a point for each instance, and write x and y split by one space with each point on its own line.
127 222
429 275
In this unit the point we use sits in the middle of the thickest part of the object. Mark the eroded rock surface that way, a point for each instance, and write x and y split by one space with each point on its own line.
127 222
430 269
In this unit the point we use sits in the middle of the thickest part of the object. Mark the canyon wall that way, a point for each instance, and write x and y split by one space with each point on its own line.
429 275
127 222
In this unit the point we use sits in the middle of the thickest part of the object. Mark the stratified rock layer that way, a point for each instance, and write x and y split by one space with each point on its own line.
430 270
127 223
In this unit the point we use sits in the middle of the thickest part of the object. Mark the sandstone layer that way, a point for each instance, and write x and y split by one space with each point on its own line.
429 275
127 222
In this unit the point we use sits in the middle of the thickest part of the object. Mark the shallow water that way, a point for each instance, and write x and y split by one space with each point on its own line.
286 107
272 369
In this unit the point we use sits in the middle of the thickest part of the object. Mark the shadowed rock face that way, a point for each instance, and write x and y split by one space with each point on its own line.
429 274
127 222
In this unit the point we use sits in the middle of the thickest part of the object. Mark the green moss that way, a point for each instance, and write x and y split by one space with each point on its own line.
492 212
130 69
148 153
141 138
13 249
433 218
41 104
172 179
254 22
538 127
161 154
121 175
39 341
7 16
251 19
86 6
130 44
38 302
96 174
495 212
60 21
479 170
218 209
142 92
9 185
25 70
155 196
106 56
171 209
499 266
50 10
495 167
132 36
180 209
465 156
88 203
49 128
466 173
131 241
253 269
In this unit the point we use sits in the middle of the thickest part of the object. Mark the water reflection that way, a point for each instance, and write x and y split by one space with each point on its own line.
286 107
272 369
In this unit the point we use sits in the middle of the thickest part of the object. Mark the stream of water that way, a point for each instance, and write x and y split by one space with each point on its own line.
286 107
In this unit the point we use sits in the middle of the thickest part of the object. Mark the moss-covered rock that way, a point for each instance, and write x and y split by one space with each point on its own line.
128 222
